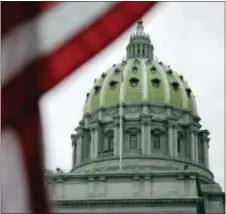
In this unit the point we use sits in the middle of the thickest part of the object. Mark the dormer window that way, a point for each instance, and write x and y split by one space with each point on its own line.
95 80
124 62
181 77
134 69
114 65
155 82
170 71
160 63
97 89
136 61
175 85
188 90
103 75
87 95
113 84
117 71
153 69
134 82
148 61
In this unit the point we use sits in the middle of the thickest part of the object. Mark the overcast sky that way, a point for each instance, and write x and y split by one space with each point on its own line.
188 36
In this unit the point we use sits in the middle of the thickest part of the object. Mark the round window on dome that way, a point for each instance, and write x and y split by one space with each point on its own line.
133 82
155 82
134 69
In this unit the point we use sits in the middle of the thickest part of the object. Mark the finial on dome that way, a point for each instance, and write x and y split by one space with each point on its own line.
140 27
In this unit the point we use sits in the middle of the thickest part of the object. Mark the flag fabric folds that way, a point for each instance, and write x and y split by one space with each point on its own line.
30 68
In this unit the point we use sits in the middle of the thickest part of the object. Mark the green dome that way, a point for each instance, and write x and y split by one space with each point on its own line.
139 79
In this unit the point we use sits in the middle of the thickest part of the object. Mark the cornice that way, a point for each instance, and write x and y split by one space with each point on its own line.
132 201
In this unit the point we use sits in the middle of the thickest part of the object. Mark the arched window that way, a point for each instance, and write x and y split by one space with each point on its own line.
108 145
188 90
175 85
156 141
133 141
179 142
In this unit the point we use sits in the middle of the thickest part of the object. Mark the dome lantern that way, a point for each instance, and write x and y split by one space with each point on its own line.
140 45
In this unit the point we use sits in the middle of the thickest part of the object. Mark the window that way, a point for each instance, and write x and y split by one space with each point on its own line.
160 63
143 50
117 71
97 89
134 69
87 95
103 75
153 69
155 83
170 71
133 141
181 77
134 82
113 84
156 141
110 143
175 85
179 142
188 90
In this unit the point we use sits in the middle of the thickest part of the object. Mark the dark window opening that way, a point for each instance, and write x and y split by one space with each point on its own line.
153 69
113 84
138 51
170 71
117 71
103 75
181 77
134 82
134 69
155 82
97 89
114 65
175 85
179 142
87 95
133 141
156 141
188 90
160 63
143 50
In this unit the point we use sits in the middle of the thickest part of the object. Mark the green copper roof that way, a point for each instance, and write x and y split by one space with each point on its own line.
140 80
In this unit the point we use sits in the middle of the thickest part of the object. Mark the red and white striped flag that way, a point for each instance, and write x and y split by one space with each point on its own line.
32 64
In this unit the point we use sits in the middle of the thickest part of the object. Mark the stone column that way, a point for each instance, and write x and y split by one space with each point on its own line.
136 50
196 147
92 145
206 140
172 138
116 138
193 147
96 141
145 134
146 50
79 149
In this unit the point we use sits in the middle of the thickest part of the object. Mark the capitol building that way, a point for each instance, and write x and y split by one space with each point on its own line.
139 147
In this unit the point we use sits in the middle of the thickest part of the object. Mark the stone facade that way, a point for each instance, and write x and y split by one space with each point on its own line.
138 157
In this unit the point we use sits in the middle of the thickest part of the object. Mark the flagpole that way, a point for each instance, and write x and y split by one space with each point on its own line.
120 125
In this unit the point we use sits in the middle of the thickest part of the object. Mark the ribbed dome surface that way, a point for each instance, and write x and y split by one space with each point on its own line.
140 80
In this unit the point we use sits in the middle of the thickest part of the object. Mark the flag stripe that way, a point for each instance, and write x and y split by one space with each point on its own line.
25 44
16 13
44 73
